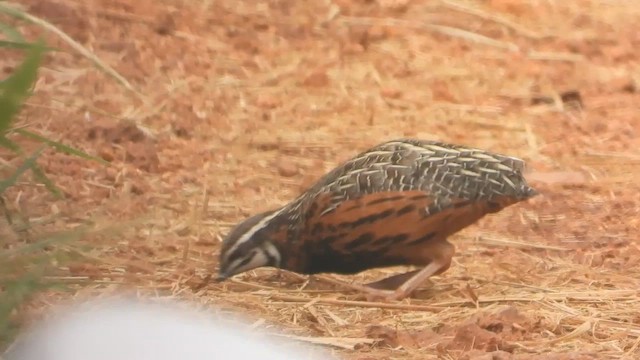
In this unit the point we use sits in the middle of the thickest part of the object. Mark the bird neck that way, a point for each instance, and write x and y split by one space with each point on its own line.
284 230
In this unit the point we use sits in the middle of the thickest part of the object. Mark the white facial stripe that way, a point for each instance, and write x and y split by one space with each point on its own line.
259 259
257 227
273 252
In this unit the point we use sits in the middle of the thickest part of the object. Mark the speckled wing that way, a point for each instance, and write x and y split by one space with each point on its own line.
447 173
384 229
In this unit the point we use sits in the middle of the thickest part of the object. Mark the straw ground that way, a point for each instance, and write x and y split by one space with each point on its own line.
235 106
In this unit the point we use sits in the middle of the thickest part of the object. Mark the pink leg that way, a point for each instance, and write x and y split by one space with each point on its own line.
414 282
404 284
438 256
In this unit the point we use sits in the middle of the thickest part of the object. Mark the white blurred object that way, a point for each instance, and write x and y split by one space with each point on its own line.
128 329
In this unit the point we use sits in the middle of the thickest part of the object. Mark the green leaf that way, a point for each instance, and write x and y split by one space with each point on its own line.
26 165
59 146
16 88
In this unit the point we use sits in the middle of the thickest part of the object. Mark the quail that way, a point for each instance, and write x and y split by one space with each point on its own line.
393 204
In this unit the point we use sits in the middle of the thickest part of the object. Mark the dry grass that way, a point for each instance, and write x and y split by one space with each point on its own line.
244 105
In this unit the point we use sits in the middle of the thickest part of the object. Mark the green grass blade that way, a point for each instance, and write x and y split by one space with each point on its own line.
8 144
11 33
59 146
26 165
16 88
12 11
22 45
15 44
44 179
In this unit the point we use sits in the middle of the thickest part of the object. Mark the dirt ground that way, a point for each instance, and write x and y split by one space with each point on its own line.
239 105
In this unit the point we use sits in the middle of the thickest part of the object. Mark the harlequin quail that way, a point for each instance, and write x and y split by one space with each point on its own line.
394 204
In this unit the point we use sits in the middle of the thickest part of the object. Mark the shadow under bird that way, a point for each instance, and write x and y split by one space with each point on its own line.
394 204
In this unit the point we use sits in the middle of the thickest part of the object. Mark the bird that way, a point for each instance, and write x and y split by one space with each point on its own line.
396 203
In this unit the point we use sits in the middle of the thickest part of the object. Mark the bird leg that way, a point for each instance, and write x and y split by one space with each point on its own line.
394 287
435 267
415 279
437 255
397 287
384 289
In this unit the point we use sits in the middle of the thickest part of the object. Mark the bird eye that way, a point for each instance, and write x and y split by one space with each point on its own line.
247 259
